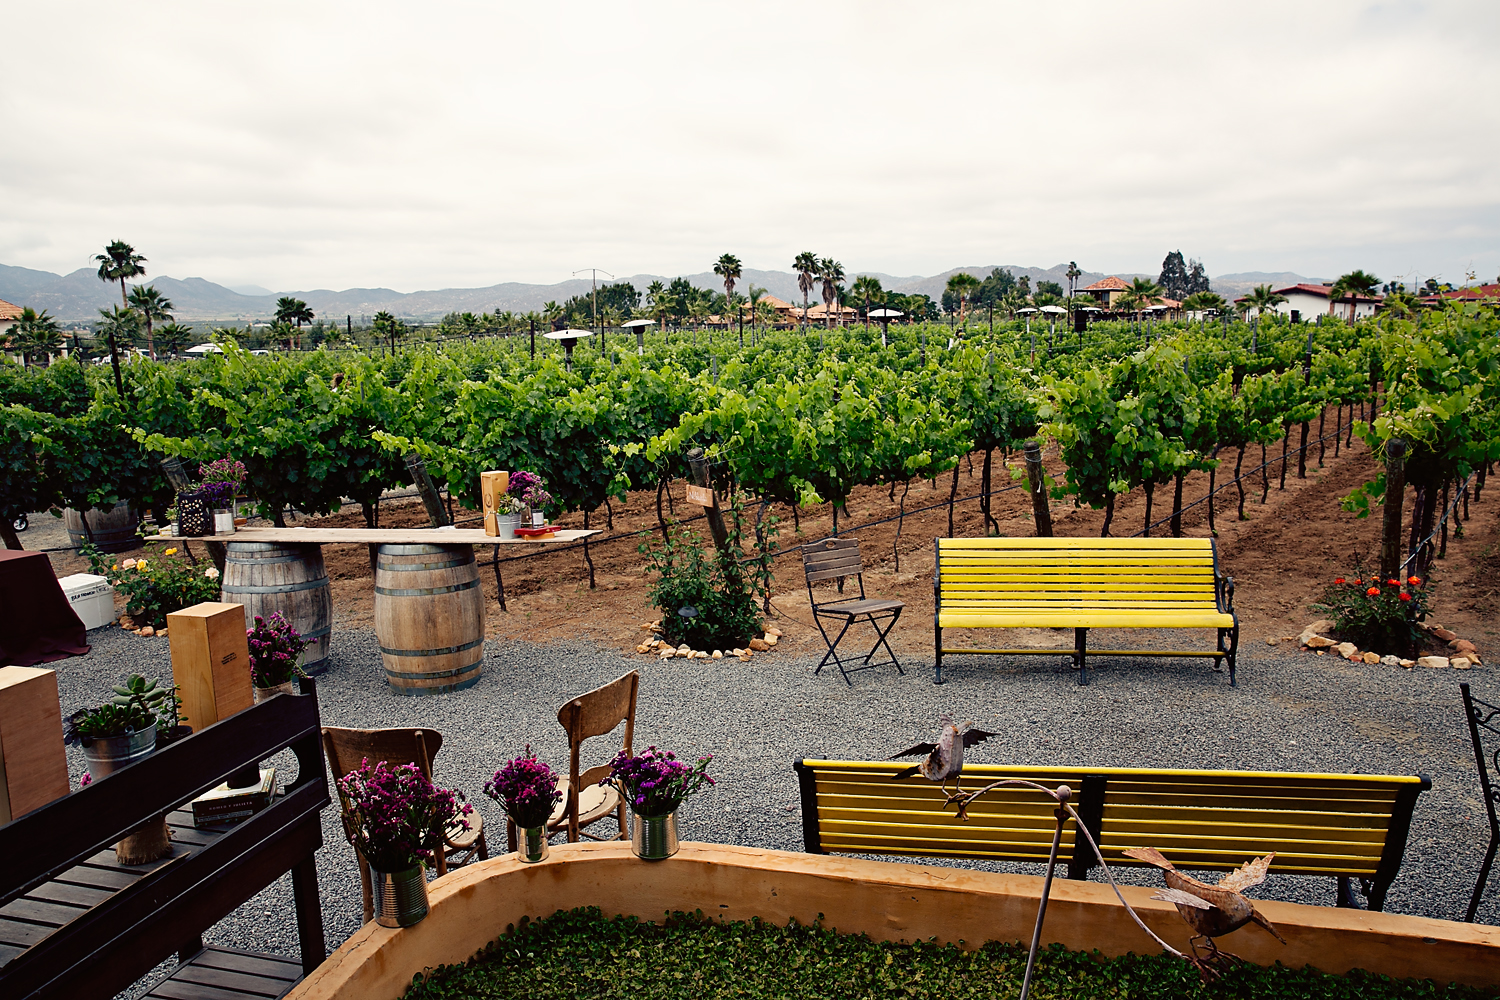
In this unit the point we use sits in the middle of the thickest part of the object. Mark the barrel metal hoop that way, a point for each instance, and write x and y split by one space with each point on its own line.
318 633
423 549
419 567
423 692
257 561
289 588
429 652
426 592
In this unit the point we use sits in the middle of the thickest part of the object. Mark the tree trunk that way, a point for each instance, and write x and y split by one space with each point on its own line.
1036 478
1285 440
1395 493
1150 492
1213 531
1177 508
952 497
1109 515
1302 453
1239 483
417 468
1322 437
900 523
1338 427
1447 490
985 481
1265 474
661 521
1418 501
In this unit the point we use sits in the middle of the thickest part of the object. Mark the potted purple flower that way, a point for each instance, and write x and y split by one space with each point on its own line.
395 817
526 789
274 648
653 785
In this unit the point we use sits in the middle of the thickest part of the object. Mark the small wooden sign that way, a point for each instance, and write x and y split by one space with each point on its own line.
702 496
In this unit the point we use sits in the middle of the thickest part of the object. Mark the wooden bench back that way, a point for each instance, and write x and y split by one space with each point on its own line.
1321 824
115 941
1028 575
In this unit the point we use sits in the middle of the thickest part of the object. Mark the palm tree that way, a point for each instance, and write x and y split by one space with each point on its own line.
728 268
866 289
118 323
831 275
295 312
1072 274
1143 292
1354 284
1263 299
153 306
35 333
118 262
962 285
756 292
806 266
172 337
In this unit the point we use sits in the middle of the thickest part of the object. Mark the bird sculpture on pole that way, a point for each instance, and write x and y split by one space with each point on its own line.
1211 910
944 760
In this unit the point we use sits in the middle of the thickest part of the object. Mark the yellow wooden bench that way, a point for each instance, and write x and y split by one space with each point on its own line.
1082 583
1349 826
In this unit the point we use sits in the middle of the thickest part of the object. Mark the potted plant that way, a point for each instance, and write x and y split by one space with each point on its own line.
509 515
395 818
537 500
224 480
654 785
526 789
274 650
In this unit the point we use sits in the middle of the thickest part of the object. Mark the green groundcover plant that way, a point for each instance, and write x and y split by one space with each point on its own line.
581 954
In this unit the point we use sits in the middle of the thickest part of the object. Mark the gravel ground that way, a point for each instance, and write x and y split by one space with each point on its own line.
1292 711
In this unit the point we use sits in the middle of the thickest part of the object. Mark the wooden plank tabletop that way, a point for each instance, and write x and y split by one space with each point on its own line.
43 910
396 536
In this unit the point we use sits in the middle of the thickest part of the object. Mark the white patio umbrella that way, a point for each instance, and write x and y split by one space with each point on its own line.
204 349
885 316
639 326
568 339
1054 310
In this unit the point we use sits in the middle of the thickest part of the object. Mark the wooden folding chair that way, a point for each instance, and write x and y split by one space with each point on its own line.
839 558
585 801
346 748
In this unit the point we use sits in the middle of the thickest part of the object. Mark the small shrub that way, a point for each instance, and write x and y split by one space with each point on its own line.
1376 614
156 586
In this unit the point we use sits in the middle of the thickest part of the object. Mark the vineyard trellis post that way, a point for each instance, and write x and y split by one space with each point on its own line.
699 464
1037 481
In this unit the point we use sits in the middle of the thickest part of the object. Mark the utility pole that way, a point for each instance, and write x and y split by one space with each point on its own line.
594 273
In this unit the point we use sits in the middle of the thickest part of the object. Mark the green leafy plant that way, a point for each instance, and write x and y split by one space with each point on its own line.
1375 614
710 600
156 586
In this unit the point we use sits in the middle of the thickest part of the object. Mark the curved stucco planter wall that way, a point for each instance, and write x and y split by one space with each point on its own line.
888 901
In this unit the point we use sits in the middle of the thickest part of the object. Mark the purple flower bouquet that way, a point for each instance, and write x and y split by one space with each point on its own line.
527 789
394 816
274 648
656 782
522 481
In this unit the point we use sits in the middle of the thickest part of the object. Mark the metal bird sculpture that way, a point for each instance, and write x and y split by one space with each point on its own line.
1211 910
944 760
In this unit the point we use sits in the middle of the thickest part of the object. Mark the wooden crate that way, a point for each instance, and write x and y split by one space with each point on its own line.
33 764
210 661
492 487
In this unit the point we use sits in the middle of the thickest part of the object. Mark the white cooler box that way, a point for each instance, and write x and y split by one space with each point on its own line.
92 598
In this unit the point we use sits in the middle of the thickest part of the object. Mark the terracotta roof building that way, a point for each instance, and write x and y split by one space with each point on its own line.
1106 290
9 313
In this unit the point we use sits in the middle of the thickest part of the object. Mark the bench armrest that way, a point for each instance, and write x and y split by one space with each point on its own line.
1225 586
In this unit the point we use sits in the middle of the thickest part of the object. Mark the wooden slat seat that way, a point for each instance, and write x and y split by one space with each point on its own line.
226 974
1348 826
1082 583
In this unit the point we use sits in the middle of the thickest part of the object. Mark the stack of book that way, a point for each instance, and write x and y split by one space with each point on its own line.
227 805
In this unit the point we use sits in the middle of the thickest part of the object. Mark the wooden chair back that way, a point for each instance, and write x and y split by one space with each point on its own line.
595 714
347 748
830 559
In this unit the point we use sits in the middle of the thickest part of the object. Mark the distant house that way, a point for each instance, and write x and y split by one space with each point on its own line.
1106 290
9 313
1475 293
1306 302
841 314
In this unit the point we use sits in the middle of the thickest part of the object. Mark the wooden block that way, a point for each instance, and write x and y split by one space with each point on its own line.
492 487
33 764
210 662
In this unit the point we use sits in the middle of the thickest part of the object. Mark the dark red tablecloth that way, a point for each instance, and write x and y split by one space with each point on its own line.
37 625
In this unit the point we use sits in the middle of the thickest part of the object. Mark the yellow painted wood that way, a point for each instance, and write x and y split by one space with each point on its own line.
1085 620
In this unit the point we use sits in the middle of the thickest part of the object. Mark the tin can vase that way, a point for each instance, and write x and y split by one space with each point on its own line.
538 518
653 838
531 844
109 754
400 897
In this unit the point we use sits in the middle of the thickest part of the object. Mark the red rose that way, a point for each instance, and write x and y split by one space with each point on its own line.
1338 579
1393 583
1373 592
1406 597
1415 581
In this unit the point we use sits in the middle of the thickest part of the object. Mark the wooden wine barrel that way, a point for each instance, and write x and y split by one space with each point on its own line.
114 530
429 617
267 577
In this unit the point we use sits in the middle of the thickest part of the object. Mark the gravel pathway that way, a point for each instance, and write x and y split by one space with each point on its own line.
1292 711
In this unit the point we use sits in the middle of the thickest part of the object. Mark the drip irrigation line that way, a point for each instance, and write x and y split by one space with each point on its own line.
1421 546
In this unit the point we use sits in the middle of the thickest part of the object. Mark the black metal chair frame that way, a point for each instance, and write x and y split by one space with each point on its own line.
841 560
1483 715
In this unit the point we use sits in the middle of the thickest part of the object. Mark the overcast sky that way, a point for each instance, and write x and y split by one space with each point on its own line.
305 145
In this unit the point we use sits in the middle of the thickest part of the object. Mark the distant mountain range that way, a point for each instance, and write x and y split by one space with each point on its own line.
80 295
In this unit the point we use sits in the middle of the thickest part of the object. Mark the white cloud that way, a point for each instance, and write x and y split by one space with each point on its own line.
303 145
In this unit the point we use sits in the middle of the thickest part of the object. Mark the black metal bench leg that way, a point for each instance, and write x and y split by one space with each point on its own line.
1484 876
1081 650
1234 647
1346 898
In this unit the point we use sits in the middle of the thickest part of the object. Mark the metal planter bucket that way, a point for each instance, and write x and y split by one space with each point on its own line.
109 754
400 897
653 838
506 525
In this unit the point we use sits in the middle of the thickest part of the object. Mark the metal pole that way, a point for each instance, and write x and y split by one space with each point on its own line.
1061 812
533 340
